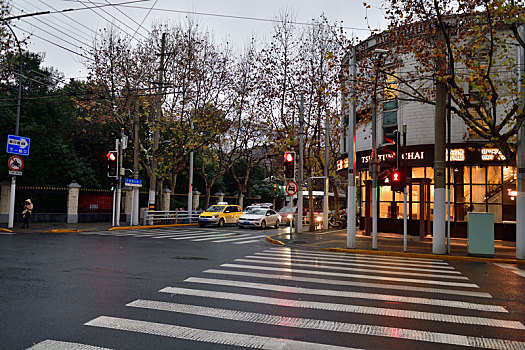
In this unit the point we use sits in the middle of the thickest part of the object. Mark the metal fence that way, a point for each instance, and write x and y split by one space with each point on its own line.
159 217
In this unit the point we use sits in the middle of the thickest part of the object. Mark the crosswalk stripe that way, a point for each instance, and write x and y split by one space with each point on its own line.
331 326
214 237
430 316
514 269
350 275
340 263
238 239
62 345
197 235
356 269
367 256
351 283
207 336
245 242
346 294
355 258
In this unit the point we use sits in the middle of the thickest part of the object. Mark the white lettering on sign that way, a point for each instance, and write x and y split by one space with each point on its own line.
491 154
456 155
413 155
342 164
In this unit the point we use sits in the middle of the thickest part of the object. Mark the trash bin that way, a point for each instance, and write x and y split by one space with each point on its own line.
481 234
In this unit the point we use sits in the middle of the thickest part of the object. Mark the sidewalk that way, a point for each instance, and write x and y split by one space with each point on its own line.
390 244
40 227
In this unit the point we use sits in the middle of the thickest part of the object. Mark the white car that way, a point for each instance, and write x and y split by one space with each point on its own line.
261 217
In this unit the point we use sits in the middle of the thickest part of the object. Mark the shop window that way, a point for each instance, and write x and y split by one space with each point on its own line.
466 175
430 173
466 193
478 194
415 211
479 208
494 175
498 213
384 210
432 193
385 194
451 177
478 175
415 193
493 195
509 174
418 173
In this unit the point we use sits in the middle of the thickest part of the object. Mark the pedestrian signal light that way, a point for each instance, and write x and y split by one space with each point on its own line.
397 180
112 161
289 165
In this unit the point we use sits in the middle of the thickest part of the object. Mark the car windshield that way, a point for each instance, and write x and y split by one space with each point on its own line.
216 208
287 210
258 212
249 210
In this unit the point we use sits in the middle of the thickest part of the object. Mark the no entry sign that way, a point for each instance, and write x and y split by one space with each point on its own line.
291 188
15 163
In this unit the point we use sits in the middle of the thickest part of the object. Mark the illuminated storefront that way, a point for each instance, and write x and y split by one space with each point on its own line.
481 180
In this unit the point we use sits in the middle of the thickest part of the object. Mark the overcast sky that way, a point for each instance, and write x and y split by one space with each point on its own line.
55 34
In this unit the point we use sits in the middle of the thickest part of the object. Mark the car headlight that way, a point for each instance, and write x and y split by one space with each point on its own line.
280 217
290 216
215 216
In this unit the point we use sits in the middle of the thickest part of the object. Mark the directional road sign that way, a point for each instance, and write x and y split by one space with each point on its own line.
133 182
291 188
15 163
18 145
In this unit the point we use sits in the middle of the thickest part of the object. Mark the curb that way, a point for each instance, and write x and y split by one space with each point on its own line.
61 230
117 228
5 230
410 255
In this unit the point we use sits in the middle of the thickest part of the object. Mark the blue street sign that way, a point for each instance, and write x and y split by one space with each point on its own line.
133 182
18 145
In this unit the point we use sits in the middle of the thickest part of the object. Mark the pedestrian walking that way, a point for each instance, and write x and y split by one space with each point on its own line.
26 213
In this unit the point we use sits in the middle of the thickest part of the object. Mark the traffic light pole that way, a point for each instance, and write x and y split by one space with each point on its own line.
520 157
299 223
351 200
405 215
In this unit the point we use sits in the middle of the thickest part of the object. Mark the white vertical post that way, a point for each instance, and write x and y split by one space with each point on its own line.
11 217
520 157
326 182
351 196
299 216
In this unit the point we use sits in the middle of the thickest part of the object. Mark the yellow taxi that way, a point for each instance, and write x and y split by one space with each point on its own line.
220 214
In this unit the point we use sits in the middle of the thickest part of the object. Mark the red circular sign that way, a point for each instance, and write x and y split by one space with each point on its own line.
15 163
291 188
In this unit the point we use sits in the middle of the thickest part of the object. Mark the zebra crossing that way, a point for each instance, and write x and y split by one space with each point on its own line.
302 299
193 235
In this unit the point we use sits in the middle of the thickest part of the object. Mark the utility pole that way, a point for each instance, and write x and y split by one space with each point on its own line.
405 208
520 157
190 177
11 215
438 241
326 180
153 178
351 200
135 193
299 216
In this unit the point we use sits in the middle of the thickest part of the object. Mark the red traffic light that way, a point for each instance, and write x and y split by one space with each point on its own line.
288 157
111 156
396 176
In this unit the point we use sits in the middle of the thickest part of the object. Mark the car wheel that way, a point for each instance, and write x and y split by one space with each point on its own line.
263 224
221 223
277 223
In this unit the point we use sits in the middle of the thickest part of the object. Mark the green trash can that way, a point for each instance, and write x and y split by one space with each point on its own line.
481 234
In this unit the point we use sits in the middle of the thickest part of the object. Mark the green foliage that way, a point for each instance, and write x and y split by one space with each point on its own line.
268 189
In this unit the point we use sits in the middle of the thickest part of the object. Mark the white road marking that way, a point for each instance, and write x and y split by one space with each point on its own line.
62 345
322 261
430 316
355 269
357 258
350 275
512 269
347 294
252 241
207 336
367 256
214 237
195 235
351 283
331 326
238 239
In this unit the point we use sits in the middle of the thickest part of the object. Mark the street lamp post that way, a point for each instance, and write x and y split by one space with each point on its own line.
11 215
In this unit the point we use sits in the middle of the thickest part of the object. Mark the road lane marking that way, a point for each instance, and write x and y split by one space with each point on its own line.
215 237
351 275
354 269
207 336
331 326
357 258
367 256
356 309
238 239
512 269
347 294
62 345
322 261
350 283
192 236
252 241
